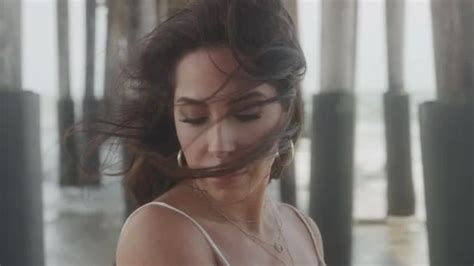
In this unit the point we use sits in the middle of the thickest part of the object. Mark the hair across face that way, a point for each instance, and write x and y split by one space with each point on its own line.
217 80
213 122
217 118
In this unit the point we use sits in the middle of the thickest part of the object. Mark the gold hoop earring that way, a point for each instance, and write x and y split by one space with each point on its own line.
180 158
292 153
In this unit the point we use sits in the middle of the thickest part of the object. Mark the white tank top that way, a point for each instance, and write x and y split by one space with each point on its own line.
211 242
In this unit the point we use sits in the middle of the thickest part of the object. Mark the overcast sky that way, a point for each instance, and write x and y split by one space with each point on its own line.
40 46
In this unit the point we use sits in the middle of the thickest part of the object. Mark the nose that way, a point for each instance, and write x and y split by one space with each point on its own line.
221 140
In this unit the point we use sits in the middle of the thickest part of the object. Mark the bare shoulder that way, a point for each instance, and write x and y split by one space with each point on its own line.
316 232
312 224
155 235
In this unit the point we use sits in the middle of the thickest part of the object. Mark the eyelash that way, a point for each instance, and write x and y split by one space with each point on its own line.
241 117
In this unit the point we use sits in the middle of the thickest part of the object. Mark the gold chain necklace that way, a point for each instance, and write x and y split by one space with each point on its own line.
217 209
202 192
276 244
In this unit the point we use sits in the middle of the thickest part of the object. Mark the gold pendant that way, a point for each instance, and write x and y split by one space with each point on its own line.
278 247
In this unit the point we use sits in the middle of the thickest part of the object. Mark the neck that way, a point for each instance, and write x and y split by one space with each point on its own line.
248 213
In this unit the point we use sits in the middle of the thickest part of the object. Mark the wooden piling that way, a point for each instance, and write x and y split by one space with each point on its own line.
10 45
90 156
21 205
447 137
68 152
400 191
333 127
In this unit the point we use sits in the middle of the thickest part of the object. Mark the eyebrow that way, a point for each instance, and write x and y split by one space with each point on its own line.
255 94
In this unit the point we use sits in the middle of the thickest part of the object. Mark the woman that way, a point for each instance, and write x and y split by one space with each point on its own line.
210 118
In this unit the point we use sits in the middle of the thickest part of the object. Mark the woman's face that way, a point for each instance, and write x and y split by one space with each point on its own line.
207 136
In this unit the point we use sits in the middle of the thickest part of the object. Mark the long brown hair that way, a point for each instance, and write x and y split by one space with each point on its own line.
262 38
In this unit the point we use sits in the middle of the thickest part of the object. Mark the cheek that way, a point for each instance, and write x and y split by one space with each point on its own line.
189 143
184 136
270 120
185 132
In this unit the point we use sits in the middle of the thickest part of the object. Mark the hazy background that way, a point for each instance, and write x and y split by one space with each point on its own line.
40 75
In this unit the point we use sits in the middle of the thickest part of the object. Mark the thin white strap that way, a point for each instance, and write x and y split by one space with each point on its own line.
313 238
206 235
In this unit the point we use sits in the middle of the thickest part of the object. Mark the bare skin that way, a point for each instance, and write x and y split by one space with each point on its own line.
238 248
178 242
158 236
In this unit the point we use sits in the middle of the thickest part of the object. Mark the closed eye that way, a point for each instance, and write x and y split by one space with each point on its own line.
248 113
194 121
245 114
247 117
242 117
